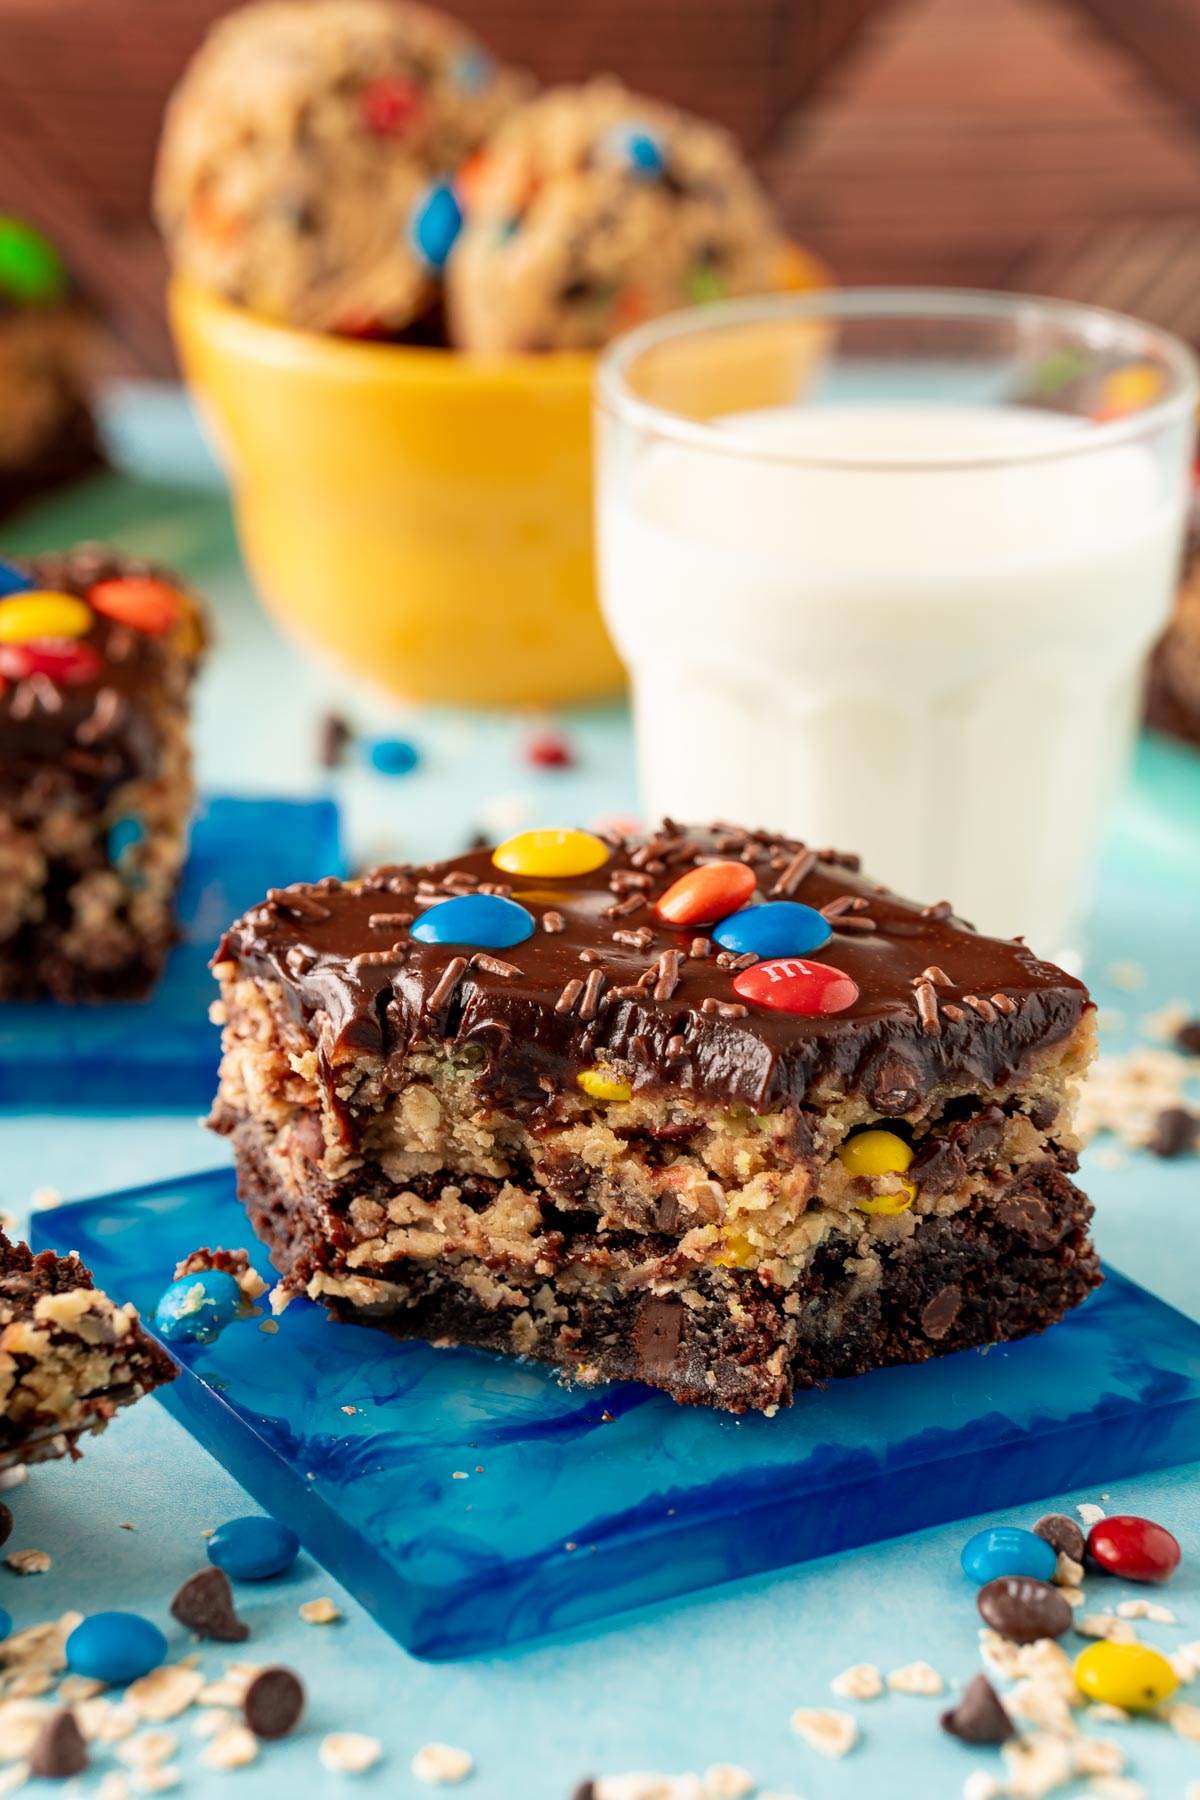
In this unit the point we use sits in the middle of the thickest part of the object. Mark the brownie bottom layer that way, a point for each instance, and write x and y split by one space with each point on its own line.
989 1273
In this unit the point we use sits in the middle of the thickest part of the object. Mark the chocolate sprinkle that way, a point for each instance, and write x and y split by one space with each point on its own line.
798 870
979 1717
984 1008
553 922
641 939
570 994
204 1604
493 965
941 909
382 921
589 1006
668 974
937 976
296 901
451 975
1003 1003
273 1703
955 1014
926 1001
700 949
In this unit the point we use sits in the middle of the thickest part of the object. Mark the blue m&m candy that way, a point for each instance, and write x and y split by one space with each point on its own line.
197 1308
485 920
392 756
115 1647
637 147
13 580
778 928
253 1548
5 1624
1008 1550
436 223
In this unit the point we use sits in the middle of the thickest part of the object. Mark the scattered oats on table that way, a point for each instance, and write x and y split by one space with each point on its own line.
1106 1626
832 1733
439 1763
148 1747
861 1681
319 1612
1184 1719
349 1752
916 1678
1146 1609
28 1562
1090 1514
726 1781
165 1692
232 1748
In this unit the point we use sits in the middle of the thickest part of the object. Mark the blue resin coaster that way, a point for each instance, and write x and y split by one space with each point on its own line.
163 1052
469 1501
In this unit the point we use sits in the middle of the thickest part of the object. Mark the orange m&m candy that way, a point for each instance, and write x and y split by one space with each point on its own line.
708 893
141 601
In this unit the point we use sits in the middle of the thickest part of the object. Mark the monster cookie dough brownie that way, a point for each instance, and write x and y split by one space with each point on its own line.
97 654
594 208
706 1110
68 1356
1173 689
304 158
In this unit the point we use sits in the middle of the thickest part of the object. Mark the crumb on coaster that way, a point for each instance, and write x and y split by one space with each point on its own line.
349 1752
28 1562
861 1681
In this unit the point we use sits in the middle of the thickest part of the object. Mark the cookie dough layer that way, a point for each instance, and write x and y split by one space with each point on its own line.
69 1357
413 1142
95 797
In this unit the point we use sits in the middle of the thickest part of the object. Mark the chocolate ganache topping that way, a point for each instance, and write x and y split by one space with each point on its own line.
603 977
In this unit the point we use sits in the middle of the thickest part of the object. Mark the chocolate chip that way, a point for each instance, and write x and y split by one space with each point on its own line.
204 1604
1043 1112
656 1335
979 1137
333 734
585 1791
1188 1037
938 1166
273 1703
979 1717
940 1313
1022 1609
59 1749
1028 1216
6 1522
1174 1132
893 1086
1062 1534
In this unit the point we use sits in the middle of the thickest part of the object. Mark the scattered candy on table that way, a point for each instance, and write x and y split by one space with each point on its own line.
1007 1550
392 756
1064 1535
115 1647
273 1703
602 1084
808 989
41 614
485 920
1022 1609
197 1308
13 580
875 1152
253 1548
436 222
142 602
1137 1549
551 853
709 892
67 662
1131 1676
548 750
777 928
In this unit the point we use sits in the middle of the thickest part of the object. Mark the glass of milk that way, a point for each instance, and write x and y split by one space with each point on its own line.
884 568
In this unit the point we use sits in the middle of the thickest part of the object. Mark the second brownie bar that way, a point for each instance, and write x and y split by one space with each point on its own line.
97 655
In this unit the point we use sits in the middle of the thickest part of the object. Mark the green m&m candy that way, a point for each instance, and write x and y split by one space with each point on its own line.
31 270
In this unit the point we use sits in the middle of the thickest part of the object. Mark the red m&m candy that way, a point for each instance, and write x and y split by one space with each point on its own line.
390 106
795 985
141 601
67 662
1136 1549
708 893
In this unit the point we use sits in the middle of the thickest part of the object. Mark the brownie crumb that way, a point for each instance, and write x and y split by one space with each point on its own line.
204 1604
333 735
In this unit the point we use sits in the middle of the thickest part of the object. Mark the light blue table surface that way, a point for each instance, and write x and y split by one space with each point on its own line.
678 1687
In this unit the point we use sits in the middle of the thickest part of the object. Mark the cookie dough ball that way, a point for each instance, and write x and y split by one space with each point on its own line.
592 209
302 147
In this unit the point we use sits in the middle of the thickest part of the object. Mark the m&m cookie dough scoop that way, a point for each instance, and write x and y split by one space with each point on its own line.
592 209
305 152
97 656
703 1109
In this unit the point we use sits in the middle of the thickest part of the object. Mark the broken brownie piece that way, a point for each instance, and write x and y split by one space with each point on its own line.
69 1357
705 1109
97 655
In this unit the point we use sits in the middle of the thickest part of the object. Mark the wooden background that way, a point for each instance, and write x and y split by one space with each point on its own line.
1052 145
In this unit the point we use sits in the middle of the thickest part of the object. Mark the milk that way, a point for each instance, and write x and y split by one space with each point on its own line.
936 663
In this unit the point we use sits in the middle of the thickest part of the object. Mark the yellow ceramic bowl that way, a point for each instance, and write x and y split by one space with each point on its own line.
423 518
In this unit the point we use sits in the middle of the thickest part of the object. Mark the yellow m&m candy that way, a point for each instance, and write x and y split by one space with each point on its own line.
24 617
1131 1676
554 853
873 1153
602 1084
